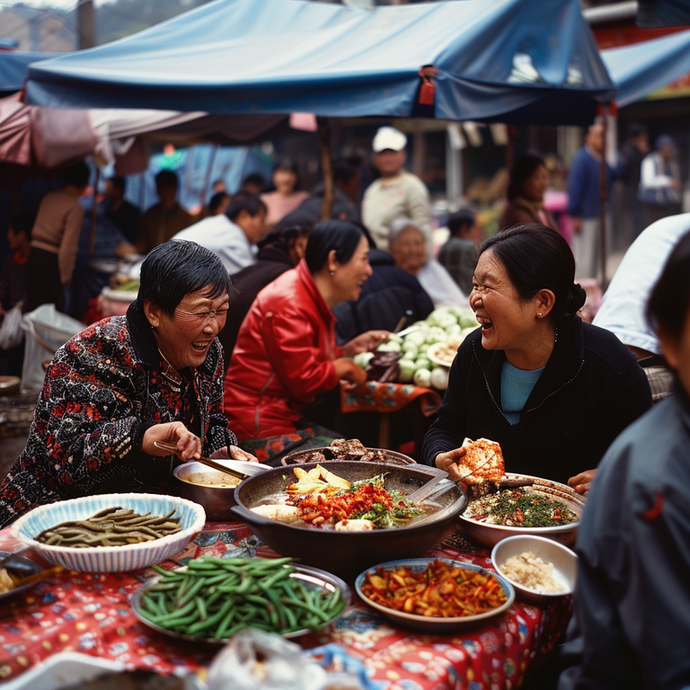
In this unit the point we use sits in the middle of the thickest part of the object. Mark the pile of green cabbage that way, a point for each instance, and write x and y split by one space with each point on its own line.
415 366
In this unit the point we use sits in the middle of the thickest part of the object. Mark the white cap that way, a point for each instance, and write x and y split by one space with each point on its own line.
388 138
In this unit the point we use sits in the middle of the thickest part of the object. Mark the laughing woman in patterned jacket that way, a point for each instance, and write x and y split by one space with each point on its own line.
155 374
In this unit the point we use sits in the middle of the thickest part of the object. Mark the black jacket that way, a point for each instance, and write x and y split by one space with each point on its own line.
385 297
591 389
248 283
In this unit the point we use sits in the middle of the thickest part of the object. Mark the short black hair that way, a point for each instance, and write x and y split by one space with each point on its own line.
521 169
21 223
636 129
245 201
285 236
327 236
77 174
118 182
458 221
254 178
217 200
538 258
177 267
669 300
167 178
343 171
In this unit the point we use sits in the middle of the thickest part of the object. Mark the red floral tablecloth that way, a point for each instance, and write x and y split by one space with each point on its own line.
90 613
373 396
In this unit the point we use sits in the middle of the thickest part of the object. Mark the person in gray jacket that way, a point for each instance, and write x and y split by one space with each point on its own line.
631 597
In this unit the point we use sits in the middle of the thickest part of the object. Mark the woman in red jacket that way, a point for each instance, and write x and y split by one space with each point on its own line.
286 353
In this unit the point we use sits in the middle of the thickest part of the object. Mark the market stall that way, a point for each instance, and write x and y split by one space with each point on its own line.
91 613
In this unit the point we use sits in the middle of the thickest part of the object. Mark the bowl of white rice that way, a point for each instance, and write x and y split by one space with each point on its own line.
539 569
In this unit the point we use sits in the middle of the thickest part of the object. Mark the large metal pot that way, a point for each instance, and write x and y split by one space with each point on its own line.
348 553
216 500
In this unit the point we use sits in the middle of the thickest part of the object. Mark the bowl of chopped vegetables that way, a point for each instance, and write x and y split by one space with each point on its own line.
111 532
346 515
434 596
544 508
210 599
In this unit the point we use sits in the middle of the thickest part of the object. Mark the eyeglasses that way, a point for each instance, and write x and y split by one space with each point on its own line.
205 316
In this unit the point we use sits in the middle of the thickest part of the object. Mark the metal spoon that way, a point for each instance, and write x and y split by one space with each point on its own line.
240 473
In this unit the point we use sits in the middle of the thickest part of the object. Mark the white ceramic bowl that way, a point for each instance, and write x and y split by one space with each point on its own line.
563 559
111 558
428 624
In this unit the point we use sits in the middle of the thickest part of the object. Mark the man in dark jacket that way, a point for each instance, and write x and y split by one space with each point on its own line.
386 297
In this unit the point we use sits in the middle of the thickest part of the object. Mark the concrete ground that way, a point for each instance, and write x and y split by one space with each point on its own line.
16 413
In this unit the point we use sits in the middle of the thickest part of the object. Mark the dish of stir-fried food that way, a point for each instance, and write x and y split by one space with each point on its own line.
442 589
520 508
322 499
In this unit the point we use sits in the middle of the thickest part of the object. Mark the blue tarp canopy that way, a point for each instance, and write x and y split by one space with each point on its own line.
509 60
639 69
13 69
652 14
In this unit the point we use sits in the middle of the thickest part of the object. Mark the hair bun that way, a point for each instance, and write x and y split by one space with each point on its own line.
576 300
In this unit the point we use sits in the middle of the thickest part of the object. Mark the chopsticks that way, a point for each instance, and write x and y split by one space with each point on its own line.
204 460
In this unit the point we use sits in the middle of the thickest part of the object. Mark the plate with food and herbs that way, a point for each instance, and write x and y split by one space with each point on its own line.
210 599
502 503
347 449
434 595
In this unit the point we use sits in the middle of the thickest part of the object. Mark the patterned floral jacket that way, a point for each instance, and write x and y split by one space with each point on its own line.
105 387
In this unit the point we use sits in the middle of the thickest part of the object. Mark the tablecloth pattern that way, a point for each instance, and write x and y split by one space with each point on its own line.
90 613
373 396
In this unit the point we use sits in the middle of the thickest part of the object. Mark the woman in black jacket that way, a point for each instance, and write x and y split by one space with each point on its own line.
553 391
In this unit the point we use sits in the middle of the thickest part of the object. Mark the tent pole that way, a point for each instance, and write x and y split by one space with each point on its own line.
602 208
94 210
326 167
204 191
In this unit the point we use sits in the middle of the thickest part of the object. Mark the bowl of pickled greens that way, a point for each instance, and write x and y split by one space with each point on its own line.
210 599
111 532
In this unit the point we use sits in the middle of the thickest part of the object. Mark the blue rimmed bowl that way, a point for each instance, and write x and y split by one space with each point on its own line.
434 625
111 558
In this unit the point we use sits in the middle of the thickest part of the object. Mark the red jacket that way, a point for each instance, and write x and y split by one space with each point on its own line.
283 358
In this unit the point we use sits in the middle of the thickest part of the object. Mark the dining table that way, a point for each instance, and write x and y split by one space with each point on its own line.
91 613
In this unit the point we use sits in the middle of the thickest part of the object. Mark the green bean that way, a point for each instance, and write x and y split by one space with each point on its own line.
211 620
216 597
308 607
190 593
110 527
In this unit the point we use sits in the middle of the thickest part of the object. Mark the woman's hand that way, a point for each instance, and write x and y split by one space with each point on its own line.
188 445
582 482
449 462
349 371
233 453
365 342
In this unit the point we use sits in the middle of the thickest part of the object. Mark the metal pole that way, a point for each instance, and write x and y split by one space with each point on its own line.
603 195
86 24
94 210
326 167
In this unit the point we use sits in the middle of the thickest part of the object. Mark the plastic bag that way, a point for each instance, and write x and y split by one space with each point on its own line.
11 333
256 660
46 330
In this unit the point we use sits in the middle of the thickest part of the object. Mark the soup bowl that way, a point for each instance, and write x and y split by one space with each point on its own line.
348 553
210 488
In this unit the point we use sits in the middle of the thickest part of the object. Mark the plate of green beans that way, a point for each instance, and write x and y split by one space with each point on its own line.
210 599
